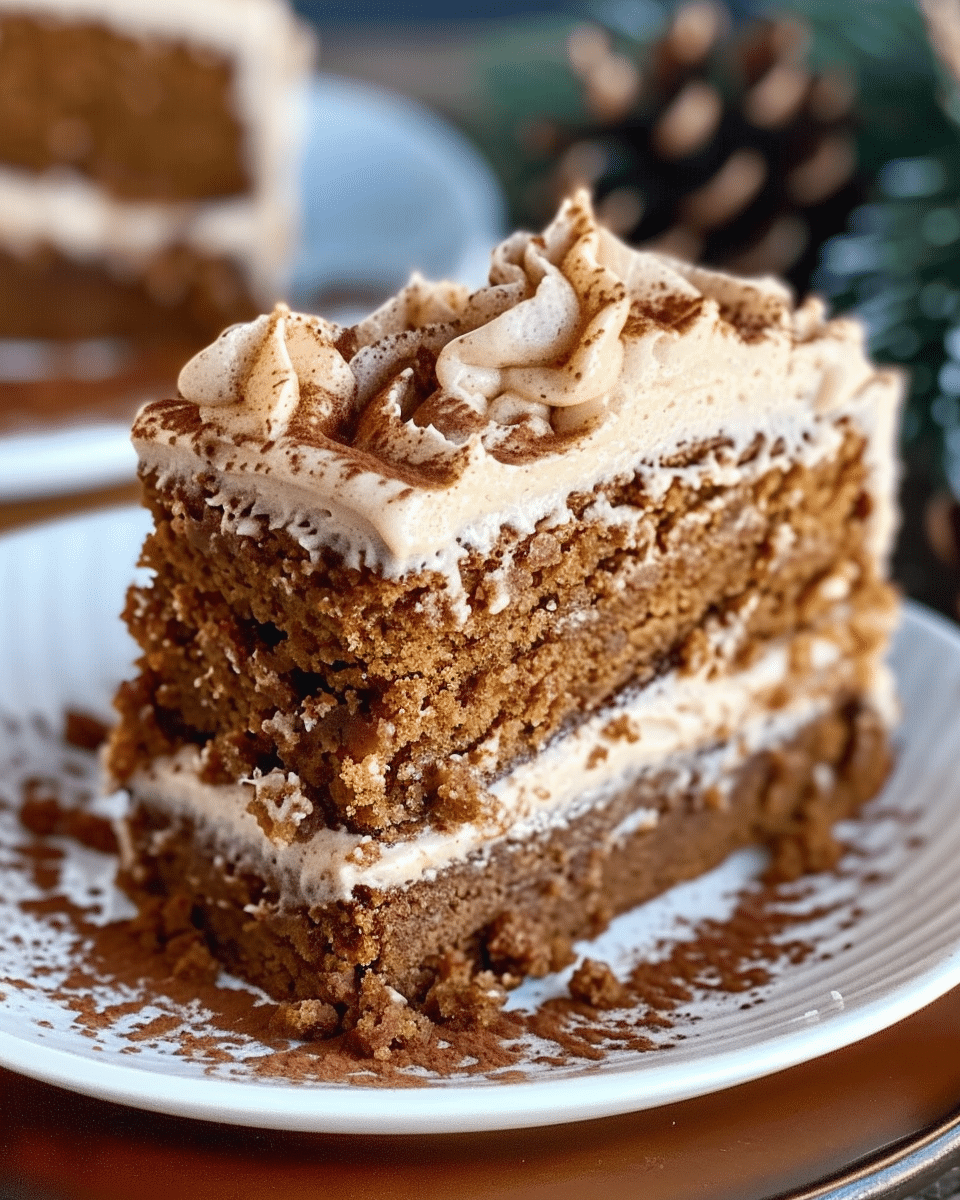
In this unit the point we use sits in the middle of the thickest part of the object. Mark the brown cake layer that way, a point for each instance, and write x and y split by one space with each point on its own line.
248 642
178 295
145 118
518 911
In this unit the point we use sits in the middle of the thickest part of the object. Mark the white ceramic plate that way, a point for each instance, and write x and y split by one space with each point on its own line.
890 945
75 458
387 187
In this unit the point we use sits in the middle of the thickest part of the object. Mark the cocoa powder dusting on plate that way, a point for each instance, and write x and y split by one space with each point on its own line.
148 980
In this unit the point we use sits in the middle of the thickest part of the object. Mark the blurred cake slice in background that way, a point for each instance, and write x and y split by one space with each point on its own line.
149 158
147 163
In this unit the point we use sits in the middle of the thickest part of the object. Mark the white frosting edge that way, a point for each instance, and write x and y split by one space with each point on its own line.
701 726
375 521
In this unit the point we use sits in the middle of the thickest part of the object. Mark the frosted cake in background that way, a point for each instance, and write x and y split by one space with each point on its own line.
148 164
493 615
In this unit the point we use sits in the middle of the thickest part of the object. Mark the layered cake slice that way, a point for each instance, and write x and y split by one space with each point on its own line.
485 619
148 156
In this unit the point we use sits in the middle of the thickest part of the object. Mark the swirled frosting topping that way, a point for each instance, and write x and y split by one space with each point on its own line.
558 346
446 414
521 365
528 358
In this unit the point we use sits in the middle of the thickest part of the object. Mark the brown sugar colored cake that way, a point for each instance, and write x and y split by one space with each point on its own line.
485 619
147 164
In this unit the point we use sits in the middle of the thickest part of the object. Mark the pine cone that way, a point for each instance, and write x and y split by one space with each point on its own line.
939 571
721 148
942 527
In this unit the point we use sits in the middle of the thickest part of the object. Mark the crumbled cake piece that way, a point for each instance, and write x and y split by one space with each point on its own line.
305 1020
595 984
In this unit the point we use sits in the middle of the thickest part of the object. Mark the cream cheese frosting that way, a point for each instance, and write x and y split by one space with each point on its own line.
416 436
85 223
698 728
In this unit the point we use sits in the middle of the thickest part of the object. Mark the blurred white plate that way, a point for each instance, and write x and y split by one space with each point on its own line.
75 458
387 188
891 946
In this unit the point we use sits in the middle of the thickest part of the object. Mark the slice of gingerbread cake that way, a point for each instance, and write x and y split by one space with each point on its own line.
485 619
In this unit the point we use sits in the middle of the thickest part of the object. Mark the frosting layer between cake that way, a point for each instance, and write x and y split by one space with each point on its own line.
85 223
693 728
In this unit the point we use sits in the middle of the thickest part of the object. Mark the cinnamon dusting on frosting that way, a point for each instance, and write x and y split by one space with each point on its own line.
446 414
519 366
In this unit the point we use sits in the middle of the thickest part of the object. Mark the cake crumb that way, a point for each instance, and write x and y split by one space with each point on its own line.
195 962
278 805
305 1020
44 814
385 1022
597 755
84 731
621 729
461 999
796 855
595 984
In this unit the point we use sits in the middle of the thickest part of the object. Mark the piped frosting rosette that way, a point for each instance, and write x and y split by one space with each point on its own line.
446 415
531 356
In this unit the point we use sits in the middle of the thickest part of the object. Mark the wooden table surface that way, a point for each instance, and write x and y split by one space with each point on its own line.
16 514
